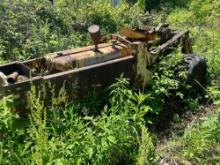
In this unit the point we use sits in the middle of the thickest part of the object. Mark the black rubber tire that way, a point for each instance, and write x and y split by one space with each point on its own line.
197 69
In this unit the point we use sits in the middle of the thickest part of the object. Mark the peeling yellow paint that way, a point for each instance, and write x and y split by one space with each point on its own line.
143 76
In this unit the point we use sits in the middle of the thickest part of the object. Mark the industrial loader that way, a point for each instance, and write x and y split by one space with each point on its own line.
132 53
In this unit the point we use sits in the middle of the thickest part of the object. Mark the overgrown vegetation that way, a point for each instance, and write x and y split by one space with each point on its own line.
125 126
199 142
30 29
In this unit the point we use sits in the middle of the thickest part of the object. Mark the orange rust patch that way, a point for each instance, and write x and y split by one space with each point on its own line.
80 57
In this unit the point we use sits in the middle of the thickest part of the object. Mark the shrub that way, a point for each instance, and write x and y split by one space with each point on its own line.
30 29
71 137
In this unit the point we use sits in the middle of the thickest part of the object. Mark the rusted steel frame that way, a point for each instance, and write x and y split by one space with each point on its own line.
139 34
80 50
78 82
174 41
9 68
56 63
86 78
187 45
142 75
65 73
20 87
33 62
116 37
15 71
37 67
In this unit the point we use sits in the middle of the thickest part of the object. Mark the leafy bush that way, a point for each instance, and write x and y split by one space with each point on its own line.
200 142
30 29
110 138
202 19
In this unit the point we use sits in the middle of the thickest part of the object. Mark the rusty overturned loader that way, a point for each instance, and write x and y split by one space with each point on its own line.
78 70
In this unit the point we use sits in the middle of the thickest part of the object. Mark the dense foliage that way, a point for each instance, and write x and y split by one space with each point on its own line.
32 28
110 129
70 137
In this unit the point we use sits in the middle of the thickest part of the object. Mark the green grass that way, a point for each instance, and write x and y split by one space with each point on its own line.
199 142
112 137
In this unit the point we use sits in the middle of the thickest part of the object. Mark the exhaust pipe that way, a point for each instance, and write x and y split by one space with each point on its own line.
94 31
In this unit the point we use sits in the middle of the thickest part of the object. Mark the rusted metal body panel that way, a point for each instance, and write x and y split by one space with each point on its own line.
94 67
76 82
85 56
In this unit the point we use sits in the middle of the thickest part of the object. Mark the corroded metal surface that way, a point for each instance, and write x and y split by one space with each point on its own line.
79 81
95 34
85 56
74 83
80 69
139 34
